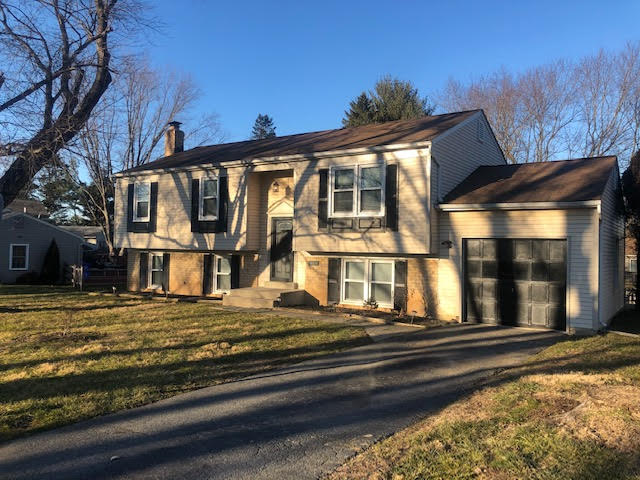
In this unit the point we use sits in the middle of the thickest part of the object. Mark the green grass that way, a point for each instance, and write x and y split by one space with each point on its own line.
572 412
67 356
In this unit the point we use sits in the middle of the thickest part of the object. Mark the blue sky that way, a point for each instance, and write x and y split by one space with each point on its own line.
302 62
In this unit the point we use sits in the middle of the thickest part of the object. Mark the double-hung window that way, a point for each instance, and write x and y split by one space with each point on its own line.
222 273
18 256
366 280
141 201
156 270
357 191
209 192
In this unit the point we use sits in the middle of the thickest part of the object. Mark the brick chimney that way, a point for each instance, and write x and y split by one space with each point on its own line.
173 139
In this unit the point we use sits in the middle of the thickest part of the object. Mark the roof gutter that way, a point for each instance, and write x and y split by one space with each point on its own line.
298 157
466 207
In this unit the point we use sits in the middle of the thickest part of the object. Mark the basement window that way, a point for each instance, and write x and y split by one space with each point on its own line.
222 273
357 191
366 280
209 193
156 270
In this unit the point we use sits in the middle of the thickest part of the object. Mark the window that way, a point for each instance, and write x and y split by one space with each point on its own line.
366 280
156 270
357 191
632 265
18 256
141 195
208 209
222 273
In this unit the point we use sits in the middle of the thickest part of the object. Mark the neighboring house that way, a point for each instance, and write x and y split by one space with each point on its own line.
92 234
423 216
24 241
31 207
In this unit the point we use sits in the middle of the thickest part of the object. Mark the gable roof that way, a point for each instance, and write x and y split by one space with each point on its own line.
26 205
381 134
574 180
16 215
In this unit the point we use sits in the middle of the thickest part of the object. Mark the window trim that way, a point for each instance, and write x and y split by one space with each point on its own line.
150 270
136 218
26 257
215 273
367 281
201 198
356 211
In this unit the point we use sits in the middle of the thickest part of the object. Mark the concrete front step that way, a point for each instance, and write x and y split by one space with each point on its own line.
262 297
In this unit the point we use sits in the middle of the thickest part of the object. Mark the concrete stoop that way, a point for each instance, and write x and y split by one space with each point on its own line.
263 297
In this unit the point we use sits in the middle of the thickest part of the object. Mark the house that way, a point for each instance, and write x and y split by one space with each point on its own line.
24 241
32 207
92 235
422 216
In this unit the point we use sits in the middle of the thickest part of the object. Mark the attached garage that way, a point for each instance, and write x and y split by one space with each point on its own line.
535 245
519 282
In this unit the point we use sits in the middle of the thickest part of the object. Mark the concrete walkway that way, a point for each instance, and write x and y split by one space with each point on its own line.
293 423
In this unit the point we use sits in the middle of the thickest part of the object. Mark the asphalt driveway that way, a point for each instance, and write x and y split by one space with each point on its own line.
298 422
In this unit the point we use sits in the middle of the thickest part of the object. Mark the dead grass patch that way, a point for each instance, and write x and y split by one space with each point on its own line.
573 412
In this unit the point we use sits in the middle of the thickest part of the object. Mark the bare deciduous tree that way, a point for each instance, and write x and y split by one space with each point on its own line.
584 108
55 58
127 128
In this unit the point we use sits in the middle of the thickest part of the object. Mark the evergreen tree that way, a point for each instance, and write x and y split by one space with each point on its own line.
631 190
361 112
50 273
263 128
391 99
60 195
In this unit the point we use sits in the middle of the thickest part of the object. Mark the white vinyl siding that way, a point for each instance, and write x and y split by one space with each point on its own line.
460 151
578 226
611 252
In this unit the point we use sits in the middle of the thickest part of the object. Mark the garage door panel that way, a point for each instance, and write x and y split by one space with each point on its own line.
516 281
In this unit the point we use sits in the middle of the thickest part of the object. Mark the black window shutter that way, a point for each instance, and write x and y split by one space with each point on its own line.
235 271
223 205
333 279
400 286
323 199
165 271
130 207
207 284
195 194
153 207
144 270
391 197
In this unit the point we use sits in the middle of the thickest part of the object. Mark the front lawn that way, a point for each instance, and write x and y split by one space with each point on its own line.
66 356
572 412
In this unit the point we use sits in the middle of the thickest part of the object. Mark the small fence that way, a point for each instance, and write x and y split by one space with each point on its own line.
80 277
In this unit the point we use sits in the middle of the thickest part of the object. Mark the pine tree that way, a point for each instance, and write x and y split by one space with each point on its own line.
361 112
263 128
391 99
50 273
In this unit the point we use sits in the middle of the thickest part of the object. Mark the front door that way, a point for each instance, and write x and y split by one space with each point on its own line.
281 249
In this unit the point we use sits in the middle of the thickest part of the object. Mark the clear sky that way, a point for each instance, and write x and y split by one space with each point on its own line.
302 62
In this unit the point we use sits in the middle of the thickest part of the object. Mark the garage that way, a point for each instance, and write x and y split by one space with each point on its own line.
517 282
